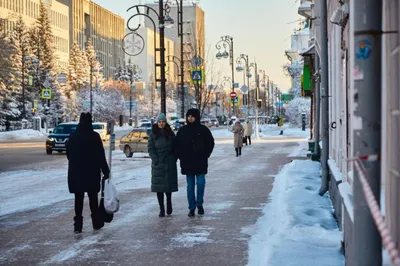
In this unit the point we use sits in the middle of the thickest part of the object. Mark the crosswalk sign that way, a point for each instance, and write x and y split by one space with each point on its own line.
46 93
197 75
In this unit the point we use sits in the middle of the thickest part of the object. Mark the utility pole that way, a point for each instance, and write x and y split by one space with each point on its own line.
325 99
367 58
317 107
257 94
180 28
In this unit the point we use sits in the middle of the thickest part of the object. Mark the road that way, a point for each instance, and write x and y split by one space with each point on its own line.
236 191
23 155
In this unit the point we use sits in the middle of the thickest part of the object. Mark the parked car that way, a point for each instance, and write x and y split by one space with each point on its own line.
58 138
135 141
273 119
214 122
178 124
145 125
101 128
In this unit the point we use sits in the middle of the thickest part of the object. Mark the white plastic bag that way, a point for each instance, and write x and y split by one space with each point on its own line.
111 199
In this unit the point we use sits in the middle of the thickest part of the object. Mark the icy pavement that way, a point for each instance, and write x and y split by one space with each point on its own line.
297 227
37 228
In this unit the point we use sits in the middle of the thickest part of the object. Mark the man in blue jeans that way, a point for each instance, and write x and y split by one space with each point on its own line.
194 145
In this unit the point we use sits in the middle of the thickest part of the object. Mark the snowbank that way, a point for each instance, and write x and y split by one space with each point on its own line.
297 227
22 135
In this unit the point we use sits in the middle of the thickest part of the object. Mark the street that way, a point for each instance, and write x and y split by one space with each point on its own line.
24 155
236 191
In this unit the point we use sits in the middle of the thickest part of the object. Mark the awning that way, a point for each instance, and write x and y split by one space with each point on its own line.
308 51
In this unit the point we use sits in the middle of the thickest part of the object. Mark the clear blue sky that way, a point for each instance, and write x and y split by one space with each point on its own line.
261 29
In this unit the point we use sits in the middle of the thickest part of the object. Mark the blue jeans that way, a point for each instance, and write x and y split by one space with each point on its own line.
201 182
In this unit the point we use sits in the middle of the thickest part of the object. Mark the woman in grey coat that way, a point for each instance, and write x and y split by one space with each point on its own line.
164 175
238 137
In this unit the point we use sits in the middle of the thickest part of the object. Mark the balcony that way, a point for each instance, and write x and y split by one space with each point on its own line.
305 8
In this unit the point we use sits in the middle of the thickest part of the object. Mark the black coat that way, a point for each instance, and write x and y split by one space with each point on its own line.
194 145
87 159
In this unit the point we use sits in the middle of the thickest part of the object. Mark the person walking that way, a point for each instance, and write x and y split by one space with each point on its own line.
238 137
164 176
280 124
248 131
194 145
86 161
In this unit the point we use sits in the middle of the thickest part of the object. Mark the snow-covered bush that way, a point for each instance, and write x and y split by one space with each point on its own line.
296 107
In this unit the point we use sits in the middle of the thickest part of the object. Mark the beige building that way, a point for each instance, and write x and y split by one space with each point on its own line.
29 10
106 29
193 31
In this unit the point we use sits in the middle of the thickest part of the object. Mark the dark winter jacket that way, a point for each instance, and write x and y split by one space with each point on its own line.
164 173
194 145
86 158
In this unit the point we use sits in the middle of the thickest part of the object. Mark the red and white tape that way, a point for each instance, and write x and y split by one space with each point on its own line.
376 214
370 158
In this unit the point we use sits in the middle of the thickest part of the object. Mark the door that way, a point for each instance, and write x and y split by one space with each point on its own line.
143 141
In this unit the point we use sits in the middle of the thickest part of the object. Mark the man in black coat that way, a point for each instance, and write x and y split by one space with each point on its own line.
194 145
85 153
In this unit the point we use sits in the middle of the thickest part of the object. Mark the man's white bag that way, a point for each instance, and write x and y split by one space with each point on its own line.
111 199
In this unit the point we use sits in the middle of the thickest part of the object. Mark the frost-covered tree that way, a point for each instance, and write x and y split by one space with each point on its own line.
294 70
8 91
78 71
95 69
296 107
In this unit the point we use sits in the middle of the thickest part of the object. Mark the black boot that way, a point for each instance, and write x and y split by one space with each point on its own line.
240 151
200 210
237 152
169 207
281 132
97 222
160 197
191 213
78 221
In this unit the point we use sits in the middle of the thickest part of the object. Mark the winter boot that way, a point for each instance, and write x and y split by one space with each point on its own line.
281 132
97 221
191 213
240 151
162 210
169 207
237 152
200 210
78 222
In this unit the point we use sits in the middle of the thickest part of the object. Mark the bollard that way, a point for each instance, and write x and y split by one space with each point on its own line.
303 121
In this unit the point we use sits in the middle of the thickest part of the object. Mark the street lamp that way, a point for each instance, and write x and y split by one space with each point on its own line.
245 59
163 21
227 42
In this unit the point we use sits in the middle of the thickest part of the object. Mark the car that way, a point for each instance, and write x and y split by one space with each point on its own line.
143 121
214 122
145 125
178 124
135 141
58 138
273 119
101 128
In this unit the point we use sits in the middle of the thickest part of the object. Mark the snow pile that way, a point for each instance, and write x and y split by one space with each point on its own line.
272 131
297 227
24 134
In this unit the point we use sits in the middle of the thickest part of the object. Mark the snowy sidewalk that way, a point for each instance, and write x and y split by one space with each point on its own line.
297 228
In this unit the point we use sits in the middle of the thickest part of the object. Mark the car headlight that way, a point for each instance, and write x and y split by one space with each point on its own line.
50 139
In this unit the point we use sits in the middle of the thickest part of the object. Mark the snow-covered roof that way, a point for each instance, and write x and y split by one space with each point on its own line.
308 51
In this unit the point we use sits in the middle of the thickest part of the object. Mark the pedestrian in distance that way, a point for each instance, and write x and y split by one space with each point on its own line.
238 137
248 131
280 124
164 173
194 145
86 162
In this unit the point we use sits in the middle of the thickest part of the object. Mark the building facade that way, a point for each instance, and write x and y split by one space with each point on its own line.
29 10
343 124
106 29
193 32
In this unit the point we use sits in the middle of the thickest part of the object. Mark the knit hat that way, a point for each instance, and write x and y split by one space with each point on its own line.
162 117
195 113
237 121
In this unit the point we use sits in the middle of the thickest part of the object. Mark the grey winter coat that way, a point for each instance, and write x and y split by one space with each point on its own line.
238 135
164 175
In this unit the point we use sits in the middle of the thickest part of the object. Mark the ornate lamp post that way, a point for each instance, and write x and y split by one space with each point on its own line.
245 59
227 42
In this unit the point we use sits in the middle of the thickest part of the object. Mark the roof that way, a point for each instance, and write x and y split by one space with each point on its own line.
308 51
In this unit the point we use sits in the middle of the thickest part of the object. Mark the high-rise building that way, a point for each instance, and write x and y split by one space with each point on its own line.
29 10
106 29
193 31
